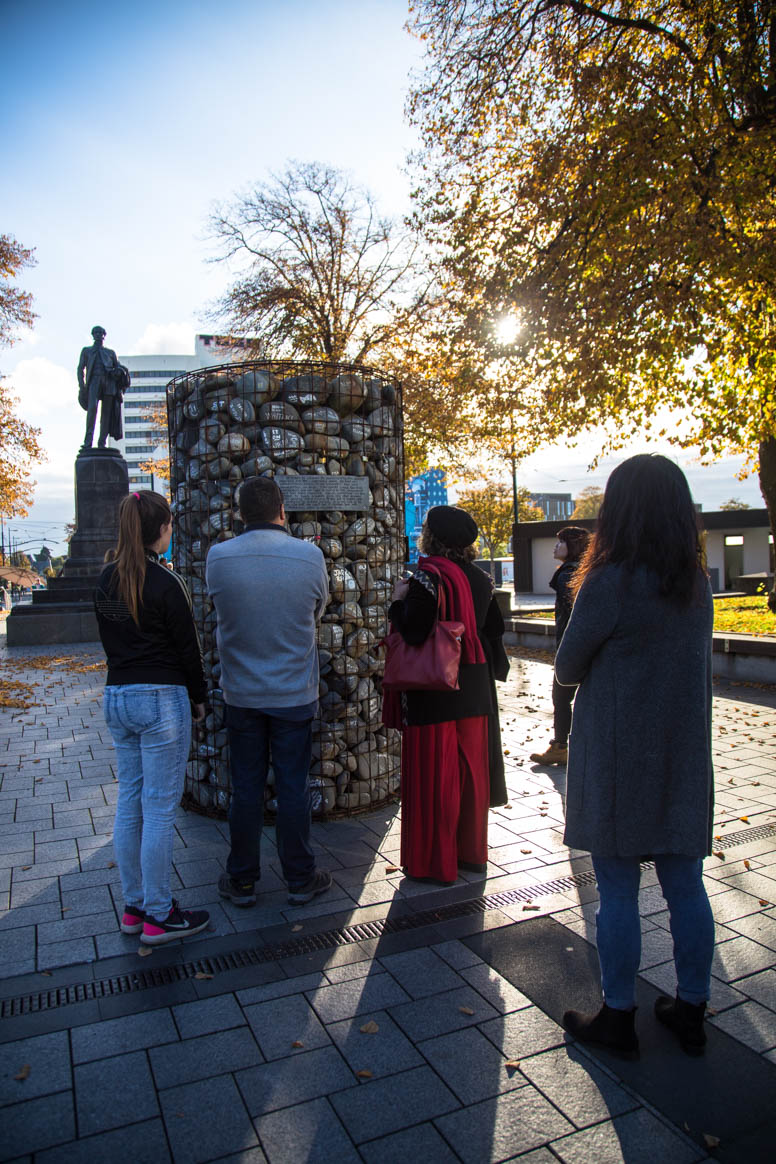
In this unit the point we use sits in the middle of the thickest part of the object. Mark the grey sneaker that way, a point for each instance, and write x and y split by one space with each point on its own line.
238 892
318 883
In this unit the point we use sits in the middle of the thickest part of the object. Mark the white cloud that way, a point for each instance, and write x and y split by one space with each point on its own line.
165 339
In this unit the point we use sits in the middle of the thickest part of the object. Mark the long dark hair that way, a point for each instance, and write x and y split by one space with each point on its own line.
141 517
648 519
576 541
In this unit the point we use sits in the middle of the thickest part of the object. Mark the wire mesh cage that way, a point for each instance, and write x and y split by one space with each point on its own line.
331 436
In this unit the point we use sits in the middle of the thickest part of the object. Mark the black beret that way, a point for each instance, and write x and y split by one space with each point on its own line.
452 526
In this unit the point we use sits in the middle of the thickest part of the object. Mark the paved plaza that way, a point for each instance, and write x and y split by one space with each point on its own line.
387 1020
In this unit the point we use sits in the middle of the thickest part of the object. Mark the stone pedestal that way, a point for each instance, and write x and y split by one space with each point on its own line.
64 613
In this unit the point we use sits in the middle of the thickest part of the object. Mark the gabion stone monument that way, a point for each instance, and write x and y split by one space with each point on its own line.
331 436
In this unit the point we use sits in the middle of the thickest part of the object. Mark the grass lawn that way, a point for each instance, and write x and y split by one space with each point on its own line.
735 616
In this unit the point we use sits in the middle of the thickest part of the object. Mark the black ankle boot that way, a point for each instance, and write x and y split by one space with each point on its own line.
686 1021
614 1029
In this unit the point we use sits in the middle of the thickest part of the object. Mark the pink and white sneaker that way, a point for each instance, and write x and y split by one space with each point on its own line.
132 919
179 923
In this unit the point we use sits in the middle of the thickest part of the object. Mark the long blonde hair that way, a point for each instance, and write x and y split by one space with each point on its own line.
141 517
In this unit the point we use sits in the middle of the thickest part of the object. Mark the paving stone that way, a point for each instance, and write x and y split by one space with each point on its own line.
46 869
306 1132
346 999
752 1024
122 1035
501 995
732 904
441 1013
37 1124
112 1092
251 1156
202 1058
423 1142
384 1053
60 850
583 1092
500 1128
30 915
81 902
48 1059
421 972
211 1014
471 1066
523 1032
761 987
722 996
636 1138
205 1120
740 956
386 1105
363 969
284 986
18 944
199 872
281 1022
285 1082
760 927
66 953
77 927
143 1143
457 955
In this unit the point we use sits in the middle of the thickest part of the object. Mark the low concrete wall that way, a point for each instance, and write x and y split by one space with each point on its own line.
742 657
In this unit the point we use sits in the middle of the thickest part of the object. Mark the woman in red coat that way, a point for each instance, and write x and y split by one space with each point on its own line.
452 763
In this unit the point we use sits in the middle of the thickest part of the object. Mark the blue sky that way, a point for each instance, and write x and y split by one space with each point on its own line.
123 123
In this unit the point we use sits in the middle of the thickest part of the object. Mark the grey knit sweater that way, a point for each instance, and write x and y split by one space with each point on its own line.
269 591
640 777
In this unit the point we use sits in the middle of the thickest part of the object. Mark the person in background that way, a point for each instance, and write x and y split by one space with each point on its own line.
155 682
569 548
269 590
640 779
452 761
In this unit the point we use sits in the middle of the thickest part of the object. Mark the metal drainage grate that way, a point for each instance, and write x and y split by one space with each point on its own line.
142 979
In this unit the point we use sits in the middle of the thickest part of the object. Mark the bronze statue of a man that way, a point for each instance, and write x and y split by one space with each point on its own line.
101 378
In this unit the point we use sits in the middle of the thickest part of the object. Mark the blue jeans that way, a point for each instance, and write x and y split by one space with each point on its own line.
254 735
619 933
151 729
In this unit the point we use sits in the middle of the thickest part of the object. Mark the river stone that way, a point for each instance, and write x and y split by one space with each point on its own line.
305 391
256 466
321 419
257 386
320 442
280 443
194 409
346 393
278 412
235 444
242 410
343 585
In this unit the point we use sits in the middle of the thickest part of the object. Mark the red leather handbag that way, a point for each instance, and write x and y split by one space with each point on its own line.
432 666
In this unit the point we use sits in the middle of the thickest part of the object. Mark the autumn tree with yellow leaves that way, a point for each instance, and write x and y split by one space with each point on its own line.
19 441
598 181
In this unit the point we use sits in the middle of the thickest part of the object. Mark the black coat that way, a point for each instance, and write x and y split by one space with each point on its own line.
413 617
560 583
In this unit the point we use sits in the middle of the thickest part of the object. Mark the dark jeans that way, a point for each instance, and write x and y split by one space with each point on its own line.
254 736
562 699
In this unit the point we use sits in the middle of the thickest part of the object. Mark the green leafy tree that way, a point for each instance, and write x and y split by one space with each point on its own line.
491 508
602 175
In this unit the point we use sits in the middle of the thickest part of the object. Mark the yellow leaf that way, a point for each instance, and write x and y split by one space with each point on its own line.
763 901
465 1010
365 1074
720 855
392 869
370 1028
22 1073
296 1043
745 819
201 975
710 1141
295 929
145 951
747 865
513 1063
526 850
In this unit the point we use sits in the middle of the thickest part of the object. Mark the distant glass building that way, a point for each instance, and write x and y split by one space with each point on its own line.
556 506
420 493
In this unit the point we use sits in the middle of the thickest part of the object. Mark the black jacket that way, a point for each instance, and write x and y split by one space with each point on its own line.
563 601
413 618
164 649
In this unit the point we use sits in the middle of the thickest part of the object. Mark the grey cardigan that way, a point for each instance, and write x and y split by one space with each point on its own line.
640 778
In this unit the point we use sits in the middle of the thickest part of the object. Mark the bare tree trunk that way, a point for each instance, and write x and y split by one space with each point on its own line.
767 474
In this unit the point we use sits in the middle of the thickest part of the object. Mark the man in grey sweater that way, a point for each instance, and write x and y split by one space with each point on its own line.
269 591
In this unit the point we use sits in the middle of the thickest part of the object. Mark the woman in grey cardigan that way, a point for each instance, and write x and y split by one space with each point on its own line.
640 781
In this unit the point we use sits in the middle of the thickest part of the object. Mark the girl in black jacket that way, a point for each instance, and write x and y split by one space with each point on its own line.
155 676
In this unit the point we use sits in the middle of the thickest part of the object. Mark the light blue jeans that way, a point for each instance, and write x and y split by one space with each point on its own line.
618 930
151 730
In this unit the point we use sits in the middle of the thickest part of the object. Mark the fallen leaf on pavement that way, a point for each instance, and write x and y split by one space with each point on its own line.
295 929
296 1043
747 865
200 975
526 850
391 868
46 972
22 1073
111 865
763 901
721 856
370 1028
513 1063
710 1141
525 907
465 1010
745 819
364 1074
144 951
